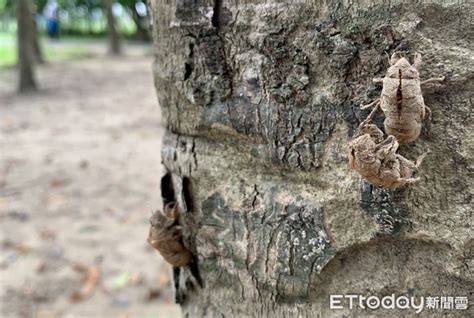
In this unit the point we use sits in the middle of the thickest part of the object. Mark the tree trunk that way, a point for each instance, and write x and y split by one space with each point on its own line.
143 32
38 52
114 38
26 50
260 99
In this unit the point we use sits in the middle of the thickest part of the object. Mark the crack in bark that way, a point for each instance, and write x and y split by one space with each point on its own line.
247 237
216 14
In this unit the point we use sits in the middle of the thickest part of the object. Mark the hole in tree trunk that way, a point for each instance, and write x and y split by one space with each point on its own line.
167 190
187 194
216 15
188 70
194 268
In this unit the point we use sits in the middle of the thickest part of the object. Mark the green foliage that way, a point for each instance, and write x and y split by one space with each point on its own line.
87 4
6 6
3 5
40 4
128 3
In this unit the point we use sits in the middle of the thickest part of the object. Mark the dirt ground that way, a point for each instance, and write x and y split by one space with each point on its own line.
79 178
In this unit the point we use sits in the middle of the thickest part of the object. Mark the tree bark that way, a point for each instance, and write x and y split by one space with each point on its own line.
38 52
260 99
114 38
143 32
26 50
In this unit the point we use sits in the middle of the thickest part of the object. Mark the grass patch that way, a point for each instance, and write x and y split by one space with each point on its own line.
7 56
64 49
7 48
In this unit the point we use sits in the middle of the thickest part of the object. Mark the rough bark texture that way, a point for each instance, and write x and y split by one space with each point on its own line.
26 46
114 38
260 99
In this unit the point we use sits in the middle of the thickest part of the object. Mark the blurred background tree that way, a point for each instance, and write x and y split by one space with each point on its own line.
77 22
114 38
138 13
86 17
26 46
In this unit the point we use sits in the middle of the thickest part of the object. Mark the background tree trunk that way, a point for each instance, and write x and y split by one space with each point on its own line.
114 38
26 50
38 52
142 24
260 99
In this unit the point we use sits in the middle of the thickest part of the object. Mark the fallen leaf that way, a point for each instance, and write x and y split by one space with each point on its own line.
153 293
56 183
89 281
20 248
45 313
23 249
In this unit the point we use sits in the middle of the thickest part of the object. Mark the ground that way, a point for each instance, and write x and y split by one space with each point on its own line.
79 179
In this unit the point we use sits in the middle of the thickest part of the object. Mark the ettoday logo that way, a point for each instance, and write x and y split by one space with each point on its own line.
418 304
